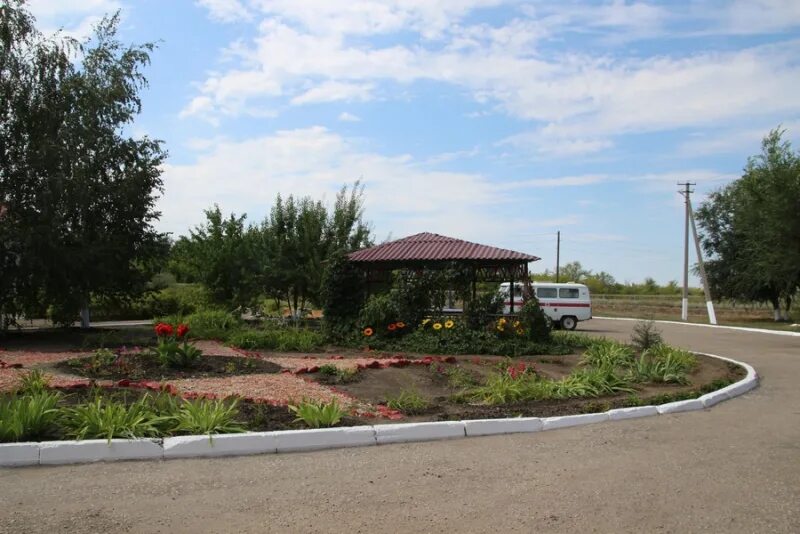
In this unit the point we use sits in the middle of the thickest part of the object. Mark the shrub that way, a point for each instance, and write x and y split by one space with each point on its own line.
379 312
480 311
212 324
332 374
28 417
317 414
33 382
646 335
607 353
103 419
343 293
203 416
535 324
408 401
288 339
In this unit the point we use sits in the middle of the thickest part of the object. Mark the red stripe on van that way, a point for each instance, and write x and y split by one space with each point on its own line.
567 304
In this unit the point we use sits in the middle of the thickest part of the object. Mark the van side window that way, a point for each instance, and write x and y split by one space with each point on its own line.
546 292
568 293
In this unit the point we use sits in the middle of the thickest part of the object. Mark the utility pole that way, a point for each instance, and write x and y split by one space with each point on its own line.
685 300
558 253
712 317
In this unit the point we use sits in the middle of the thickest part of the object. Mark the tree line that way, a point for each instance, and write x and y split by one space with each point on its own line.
603 283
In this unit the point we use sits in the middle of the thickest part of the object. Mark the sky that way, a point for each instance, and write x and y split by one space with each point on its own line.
496 121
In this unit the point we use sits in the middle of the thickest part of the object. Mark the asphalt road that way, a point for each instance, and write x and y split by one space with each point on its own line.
734 468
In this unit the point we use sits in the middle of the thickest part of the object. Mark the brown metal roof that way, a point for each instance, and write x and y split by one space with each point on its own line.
434 247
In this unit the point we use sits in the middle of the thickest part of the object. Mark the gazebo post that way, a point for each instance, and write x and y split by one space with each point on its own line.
474 276
511 292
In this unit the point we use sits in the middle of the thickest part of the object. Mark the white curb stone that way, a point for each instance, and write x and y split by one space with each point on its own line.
551 423
324 438
220 445
17 454
486 427
680 406
95 450
399 433
633 412
714 398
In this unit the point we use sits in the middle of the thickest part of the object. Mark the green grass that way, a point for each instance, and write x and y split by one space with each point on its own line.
408 401
278 339
607 353
28 417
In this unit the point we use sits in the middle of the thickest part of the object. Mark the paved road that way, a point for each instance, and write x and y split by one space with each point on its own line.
735 468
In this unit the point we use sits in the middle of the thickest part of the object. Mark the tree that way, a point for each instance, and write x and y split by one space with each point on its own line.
78 193
573 272
751 229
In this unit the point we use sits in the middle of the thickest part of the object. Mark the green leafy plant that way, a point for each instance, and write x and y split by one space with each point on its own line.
646 335
103 419
481 311
331 374
28 417
203 416
317 414
173 349
408 401
663 364
608 353
458 377
536 326
33 382
212 324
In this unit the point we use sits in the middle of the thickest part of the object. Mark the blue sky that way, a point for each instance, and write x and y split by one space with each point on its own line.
489 120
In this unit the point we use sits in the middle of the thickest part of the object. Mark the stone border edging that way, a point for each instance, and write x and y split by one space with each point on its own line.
702 325
247 443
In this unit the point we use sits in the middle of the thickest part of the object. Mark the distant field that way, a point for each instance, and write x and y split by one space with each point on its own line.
669 308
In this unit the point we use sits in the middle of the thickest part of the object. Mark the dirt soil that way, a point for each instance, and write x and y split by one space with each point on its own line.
147 367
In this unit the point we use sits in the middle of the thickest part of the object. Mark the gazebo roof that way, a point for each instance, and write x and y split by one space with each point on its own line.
428 247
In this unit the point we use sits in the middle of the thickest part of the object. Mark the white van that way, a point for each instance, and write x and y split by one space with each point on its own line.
566 304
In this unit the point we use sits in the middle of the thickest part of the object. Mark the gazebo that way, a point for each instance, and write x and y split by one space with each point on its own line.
428 251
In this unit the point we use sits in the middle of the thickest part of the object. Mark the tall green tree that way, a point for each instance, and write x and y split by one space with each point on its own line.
78 192
751 229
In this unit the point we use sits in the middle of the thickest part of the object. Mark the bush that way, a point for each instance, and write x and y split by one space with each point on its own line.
481 310
212 324
278 339
28 417
379 312
176 299
646 335
408 401
343 293
535 324
318 414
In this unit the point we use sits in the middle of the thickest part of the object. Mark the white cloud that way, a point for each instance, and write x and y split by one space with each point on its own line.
245 176
333 91
344 116
73 19
226 10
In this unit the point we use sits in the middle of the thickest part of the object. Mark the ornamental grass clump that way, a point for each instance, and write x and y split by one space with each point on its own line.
104 419
606 353
204 416
408 401
33 382
663 363
28 417
317 414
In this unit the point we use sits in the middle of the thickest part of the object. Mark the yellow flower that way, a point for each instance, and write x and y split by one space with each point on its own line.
449 324
500 327
425 321
437 326
502 320
516 324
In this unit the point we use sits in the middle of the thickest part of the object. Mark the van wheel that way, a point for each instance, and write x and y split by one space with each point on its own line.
569 323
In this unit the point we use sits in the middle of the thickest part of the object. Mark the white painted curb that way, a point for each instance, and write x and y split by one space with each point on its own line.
324 438
95 450
620 414
220 445
398 433
552 423
19 454
66 452
487 427
680 406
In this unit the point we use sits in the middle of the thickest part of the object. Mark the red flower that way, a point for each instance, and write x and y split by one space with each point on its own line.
183 329
164 329
392 327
